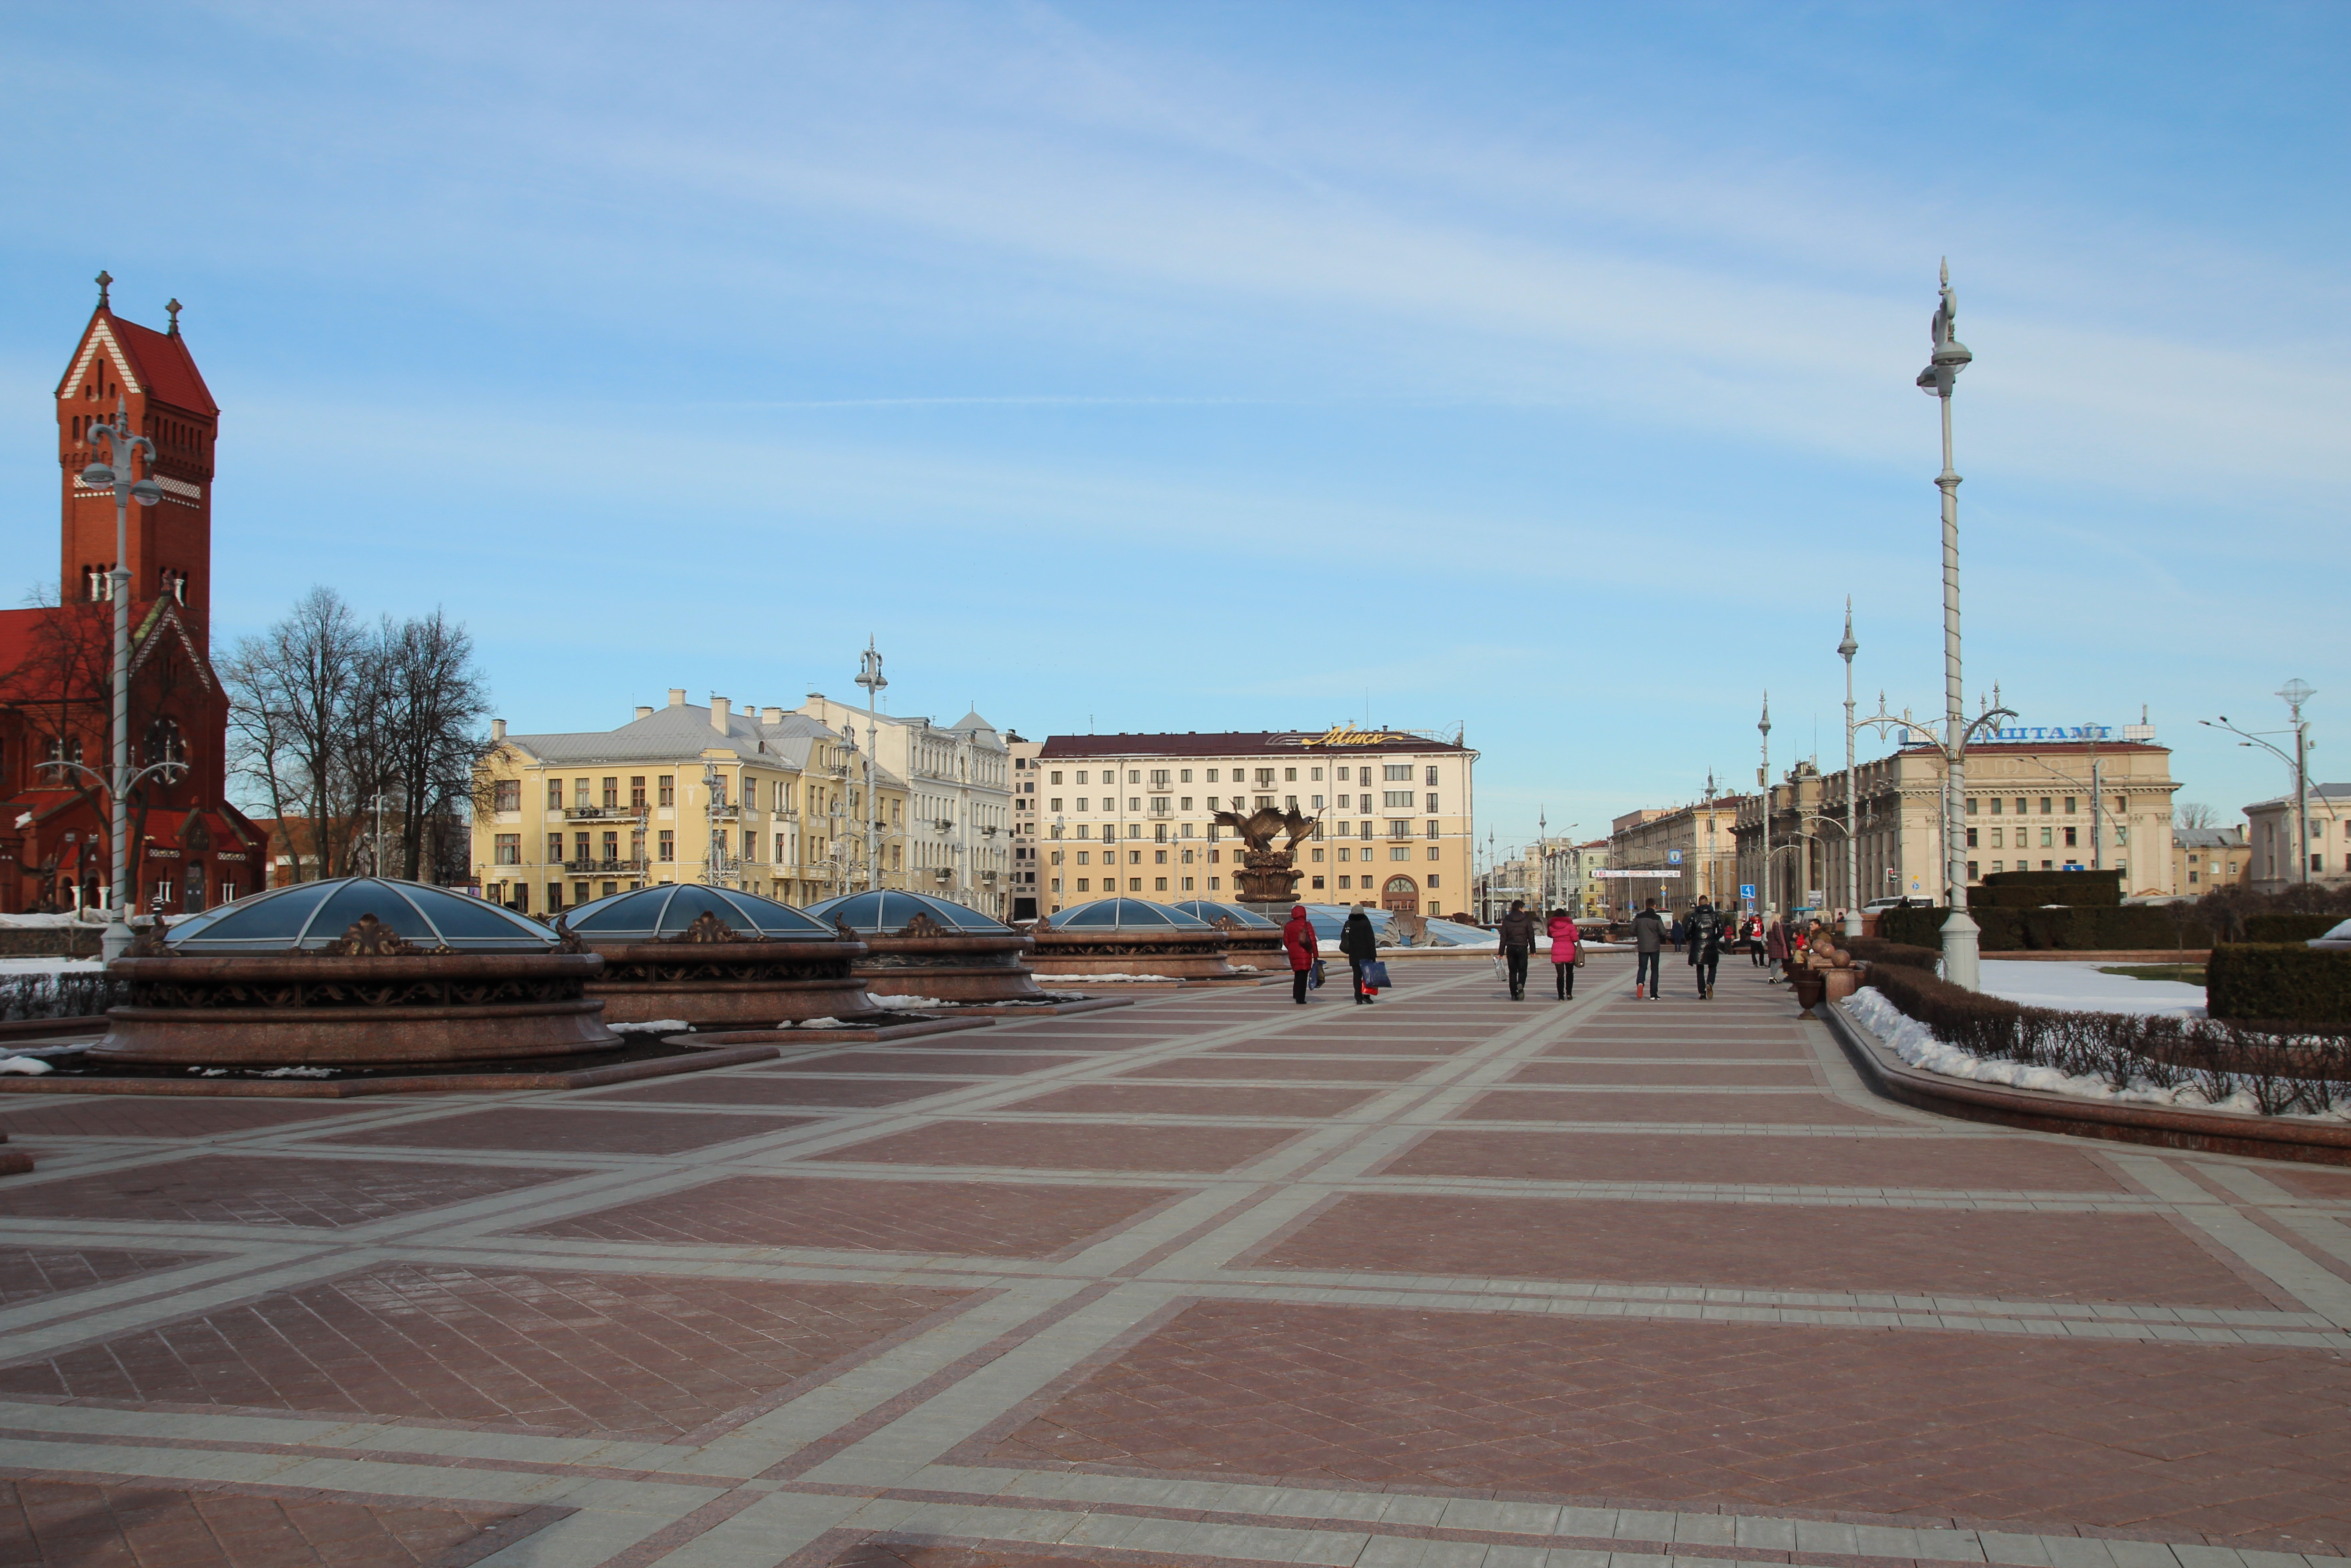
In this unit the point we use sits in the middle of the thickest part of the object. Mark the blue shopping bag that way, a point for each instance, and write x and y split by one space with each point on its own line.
1375 975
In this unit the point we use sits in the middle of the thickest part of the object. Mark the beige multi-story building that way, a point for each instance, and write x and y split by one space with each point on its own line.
1027 771
1131 814
2270 831
958 779
768 801
1589 860
2205 860
2030 806
1676 856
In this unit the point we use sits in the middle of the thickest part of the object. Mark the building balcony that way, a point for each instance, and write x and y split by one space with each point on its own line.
605 814
725 812
605 867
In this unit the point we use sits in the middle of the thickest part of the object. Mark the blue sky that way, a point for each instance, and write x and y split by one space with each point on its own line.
1544 369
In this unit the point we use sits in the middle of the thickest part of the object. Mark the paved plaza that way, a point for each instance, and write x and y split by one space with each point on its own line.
1447 1283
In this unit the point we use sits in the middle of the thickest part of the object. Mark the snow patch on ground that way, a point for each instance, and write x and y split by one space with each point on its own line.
813 1023
2079 987
51 966
32 1066
654 1025
1917 1044
1248 970
903 1004
1098 979
298 1072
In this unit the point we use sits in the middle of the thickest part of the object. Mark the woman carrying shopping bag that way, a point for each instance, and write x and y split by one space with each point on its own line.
1566 951
1298 939
1360 946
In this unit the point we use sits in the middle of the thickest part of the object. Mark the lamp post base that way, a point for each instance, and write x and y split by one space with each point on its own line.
1962 959
1852 923
117 940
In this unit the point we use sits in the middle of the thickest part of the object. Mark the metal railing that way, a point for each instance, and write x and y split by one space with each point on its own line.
605 867
605 814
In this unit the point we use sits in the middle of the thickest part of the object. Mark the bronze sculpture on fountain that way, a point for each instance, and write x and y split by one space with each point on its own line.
1267 876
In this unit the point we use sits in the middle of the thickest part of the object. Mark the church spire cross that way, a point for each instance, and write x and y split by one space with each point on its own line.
174 308
105 279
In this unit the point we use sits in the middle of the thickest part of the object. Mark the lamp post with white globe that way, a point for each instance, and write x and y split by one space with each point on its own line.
1961 955
124 447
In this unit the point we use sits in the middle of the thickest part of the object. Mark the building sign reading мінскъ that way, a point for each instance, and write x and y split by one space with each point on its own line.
1343 734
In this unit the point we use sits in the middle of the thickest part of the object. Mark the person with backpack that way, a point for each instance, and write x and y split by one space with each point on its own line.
1361 945
1298 940
1703 931
1564 951
1648 943
1517 930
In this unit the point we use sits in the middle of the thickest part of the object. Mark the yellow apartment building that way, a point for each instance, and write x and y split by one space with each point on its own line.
765 800
1131 814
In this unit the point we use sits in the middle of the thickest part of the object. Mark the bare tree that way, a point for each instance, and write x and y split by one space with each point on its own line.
2193 814
330 714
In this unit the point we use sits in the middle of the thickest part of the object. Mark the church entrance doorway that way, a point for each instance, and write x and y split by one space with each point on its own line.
1401 895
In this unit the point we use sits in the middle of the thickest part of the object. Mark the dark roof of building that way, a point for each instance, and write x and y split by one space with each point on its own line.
2209 838
1241 743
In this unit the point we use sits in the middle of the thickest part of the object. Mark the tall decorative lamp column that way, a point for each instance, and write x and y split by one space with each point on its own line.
1961 953
1853 900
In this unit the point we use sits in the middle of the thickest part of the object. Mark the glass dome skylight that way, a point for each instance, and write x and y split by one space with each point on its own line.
666 909
1211 911
1128 915
892 909
311 914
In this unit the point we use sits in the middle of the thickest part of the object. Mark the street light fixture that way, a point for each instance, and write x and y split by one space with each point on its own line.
870 676
1961 953
124 445
1853 900
1763 780
2296 693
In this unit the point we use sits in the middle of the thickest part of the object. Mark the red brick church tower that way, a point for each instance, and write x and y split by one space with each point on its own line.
190 848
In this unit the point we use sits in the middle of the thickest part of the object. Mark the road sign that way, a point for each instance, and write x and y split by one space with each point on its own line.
1747 890
1673 857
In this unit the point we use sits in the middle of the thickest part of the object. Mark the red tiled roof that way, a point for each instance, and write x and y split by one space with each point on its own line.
161 363
1236 743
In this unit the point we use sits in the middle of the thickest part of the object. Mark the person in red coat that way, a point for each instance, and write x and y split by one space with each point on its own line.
1298 939
1563 939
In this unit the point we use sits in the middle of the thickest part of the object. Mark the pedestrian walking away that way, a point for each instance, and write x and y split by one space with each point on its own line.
1703 931
1517 930
1299 941
1566 947
1360 946
1775 943
1755 940
1648 943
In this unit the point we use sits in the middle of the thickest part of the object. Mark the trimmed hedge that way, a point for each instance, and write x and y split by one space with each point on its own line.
2279 982
71 996
2031 889
2289 927
2136 927
1877 950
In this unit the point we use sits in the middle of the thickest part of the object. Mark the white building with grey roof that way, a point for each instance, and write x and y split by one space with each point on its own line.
958 781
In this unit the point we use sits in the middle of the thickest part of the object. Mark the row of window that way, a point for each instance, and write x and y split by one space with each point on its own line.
1393 799
1398 827
1393 772
2048 837
1974 874
2023 804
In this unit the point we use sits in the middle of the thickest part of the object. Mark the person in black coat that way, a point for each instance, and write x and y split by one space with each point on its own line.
1703 931
1357 941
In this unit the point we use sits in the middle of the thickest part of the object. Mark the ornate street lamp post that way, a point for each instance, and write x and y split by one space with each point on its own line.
870 676
1845 651
1961 957
125 445
2295 692
1763 778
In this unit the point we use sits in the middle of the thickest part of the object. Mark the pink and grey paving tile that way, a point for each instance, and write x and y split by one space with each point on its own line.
1769 1107
1921 1161
930 1063
29 1273
139 1524
551 1349
1068 1146
975 1218
161 1116
1201 1100
1669 1074
1693 1045
767 1087
2061 1257
2243 1443
1322 1068
266 1189
574 1129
